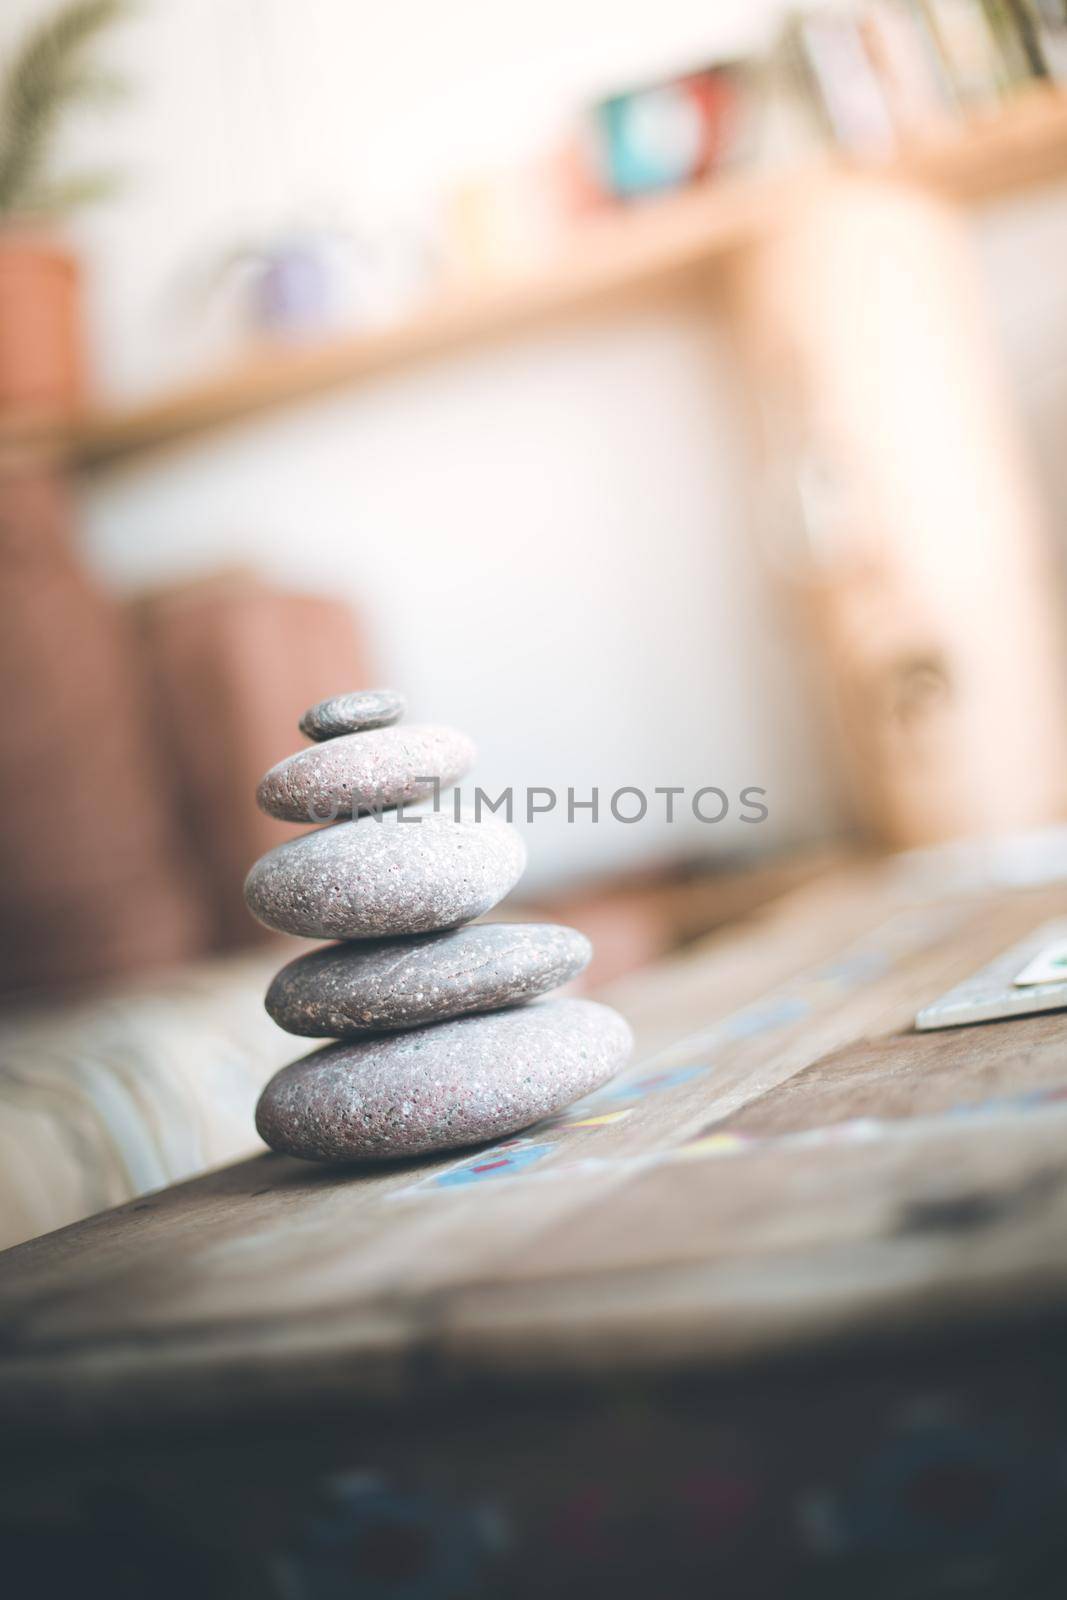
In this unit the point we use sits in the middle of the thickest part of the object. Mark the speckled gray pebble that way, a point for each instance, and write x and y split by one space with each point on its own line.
351 713
436 1088
364 772
382 876
349 990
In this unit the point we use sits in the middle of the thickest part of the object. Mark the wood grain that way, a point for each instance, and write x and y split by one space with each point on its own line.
866 1180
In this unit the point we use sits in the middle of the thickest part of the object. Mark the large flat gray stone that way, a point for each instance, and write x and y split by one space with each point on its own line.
444 1086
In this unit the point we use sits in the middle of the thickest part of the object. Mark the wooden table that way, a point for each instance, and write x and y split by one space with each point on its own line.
781 1309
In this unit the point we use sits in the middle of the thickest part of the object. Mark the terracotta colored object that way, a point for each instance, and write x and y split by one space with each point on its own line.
233 662
93 876
41 354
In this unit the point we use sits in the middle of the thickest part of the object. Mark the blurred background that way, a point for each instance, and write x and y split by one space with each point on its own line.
668 396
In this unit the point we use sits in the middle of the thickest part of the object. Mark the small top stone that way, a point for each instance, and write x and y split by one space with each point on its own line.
352 713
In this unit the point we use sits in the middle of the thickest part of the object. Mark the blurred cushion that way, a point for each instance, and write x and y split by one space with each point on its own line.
233 661
93 874
149 1083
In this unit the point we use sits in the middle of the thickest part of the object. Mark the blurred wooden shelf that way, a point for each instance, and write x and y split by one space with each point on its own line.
629 250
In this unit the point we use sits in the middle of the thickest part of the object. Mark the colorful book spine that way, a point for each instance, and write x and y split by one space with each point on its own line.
1025 24
1011 50
969 50
1049 18
852 98
907 64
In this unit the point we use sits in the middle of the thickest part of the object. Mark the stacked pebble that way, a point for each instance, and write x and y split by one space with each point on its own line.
436 1047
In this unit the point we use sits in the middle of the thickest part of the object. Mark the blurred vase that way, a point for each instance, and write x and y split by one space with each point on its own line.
295 292
41 361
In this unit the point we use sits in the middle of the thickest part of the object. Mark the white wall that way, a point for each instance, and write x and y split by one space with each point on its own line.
549 536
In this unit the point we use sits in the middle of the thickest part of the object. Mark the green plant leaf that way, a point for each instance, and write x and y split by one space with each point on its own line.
50 74
68 194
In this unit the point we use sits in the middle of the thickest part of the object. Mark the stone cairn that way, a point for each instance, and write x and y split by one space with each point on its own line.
436 1047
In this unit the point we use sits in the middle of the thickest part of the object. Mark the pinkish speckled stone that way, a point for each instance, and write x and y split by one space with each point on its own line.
364 772
349 990
383 876
352 713
441 1087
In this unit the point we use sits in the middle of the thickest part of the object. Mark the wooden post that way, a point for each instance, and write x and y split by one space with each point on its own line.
900 506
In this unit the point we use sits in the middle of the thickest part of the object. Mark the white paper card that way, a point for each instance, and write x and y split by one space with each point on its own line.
1048 966
996 991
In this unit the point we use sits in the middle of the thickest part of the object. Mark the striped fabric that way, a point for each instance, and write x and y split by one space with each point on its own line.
138 1087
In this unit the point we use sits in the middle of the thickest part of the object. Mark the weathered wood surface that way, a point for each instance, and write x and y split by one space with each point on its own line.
786 1164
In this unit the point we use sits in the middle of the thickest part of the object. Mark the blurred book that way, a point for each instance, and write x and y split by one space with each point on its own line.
834 61
1019 61
232 660
668 134
865 75
889 70
1049 21
908 65
968 46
